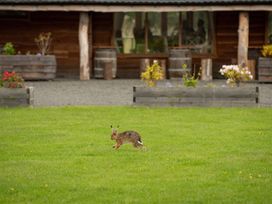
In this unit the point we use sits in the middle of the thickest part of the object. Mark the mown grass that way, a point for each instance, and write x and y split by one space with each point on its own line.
192 155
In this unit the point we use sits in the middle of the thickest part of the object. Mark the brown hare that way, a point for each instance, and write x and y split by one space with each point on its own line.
126 137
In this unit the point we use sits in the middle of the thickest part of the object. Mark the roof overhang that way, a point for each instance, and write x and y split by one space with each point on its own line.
135 8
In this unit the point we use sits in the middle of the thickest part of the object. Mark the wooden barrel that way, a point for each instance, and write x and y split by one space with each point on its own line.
265 69
177 60
30 67
104 57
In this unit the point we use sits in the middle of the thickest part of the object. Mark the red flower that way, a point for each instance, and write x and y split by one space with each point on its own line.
12 80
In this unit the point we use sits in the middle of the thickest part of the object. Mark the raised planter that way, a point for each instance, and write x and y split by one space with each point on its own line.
30 67
199 96
265 69
16 97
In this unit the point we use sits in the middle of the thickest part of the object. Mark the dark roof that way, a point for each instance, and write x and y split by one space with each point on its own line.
135 2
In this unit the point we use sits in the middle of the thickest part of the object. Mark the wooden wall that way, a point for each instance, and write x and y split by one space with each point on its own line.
102 24
226 32
64 28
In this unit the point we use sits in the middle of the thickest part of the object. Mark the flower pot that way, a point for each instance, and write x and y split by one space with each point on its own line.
199 96
30 67
265 69
16 96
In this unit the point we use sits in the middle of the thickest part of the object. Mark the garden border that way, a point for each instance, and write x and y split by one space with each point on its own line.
11 97
199 96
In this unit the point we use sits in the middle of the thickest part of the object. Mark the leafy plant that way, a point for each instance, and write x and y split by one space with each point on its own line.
152 74
190 80
12 80
43 42
267 50
8 49
235 74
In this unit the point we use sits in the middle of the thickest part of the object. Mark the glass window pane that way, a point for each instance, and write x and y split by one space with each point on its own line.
129 32
156 41
196 31
173 29
139 33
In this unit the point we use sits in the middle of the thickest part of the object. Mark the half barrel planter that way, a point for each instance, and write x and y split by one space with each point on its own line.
105 63
179 57
10 97
265 69
30 67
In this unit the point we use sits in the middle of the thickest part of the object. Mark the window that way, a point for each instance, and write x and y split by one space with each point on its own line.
270 28
155 32
156 38
173 27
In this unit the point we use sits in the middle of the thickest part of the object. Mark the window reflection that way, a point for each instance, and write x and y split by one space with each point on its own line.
156 32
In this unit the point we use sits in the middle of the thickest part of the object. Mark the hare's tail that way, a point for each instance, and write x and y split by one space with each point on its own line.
140 142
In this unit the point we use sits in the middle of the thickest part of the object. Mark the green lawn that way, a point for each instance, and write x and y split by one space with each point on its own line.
192 155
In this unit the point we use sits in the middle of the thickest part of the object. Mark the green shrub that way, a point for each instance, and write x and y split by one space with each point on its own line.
190 80
9 49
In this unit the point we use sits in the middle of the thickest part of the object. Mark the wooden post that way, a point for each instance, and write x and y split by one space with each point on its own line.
143 64
84 46
206 72
91 44
243 38
30 91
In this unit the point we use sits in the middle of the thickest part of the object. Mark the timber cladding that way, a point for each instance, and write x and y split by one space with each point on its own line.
64 29
226 36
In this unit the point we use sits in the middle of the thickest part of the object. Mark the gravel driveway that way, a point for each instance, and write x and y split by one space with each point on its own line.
92 92
107 92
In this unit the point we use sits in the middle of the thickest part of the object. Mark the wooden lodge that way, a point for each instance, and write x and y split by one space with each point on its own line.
123 34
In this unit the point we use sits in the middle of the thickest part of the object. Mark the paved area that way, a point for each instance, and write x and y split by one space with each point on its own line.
109 92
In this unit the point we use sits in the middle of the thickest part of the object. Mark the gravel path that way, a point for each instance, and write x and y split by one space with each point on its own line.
93 92
107 92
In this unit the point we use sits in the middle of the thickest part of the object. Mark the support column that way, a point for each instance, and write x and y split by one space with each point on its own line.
243 38
84 46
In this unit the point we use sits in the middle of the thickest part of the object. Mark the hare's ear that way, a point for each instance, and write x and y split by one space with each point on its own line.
111 126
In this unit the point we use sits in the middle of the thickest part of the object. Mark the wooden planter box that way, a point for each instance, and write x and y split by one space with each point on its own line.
265 69
30 67
17 97
199 96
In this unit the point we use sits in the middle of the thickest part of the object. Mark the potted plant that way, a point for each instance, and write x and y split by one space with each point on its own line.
152 74
265 64
190 95
235 74
13 91
31 67
190 80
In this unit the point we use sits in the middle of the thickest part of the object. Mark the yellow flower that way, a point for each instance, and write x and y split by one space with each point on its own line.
152 74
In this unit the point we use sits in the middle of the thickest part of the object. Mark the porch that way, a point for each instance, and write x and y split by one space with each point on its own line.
78 35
